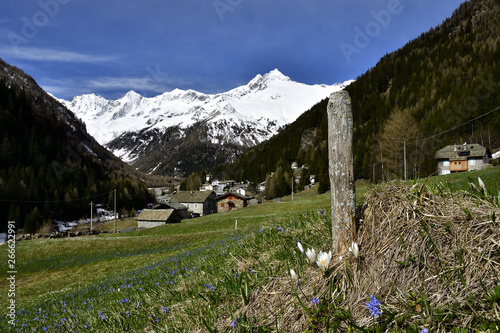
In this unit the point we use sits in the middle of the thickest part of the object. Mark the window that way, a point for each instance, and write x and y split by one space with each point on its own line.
472 162
446 163
222 204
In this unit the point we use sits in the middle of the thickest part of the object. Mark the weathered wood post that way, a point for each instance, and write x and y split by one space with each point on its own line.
341 169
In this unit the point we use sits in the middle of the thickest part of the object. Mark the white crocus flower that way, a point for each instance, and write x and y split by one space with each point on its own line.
294 275
300 247
481 183
311 255
324 260
354 249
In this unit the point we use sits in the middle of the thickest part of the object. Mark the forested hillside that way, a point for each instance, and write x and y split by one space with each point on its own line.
50 168
436 90
437 83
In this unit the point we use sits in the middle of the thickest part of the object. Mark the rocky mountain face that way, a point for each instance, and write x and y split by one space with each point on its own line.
180 131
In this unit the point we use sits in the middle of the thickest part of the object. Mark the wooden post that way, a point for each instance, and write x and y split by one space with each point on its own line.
341 169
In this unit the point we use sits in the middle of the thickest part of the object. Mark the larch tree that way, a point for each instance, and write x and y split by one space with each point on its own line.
400 132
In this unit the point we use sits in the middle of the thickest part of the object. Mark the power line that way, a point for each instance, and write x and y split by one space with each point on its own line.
56 201
454 128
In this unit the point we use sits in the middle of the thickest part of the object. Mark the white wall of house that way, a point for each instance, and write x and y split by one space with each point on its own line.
194 207
473 164
478 163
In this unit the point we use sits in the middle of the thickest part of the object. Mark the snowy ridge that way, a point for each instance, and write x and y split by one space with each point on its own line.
245 116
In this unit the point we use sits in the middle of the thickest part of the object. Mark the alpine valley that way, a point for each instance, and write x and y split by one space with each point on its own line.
180 131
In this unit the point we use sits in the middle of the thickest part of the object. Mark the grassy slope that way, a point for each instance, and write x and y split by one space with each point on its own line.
51 271
48 265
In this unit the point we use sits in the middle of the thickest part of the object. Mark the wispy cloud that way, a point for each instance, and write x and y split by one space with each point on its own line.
41 54
4 20
112 87
123 83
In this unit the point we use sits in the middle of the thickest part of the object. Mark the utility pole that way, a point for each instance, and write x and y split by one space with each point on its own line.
373 179
404 156
91 203
292 185
115 208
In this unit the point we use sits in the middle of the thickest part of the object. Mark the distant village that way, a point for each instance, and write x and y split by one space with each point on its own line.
221 196
217 196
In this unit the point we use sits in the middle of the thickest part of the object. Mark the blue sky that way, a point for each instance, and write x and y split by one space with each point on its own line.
108 47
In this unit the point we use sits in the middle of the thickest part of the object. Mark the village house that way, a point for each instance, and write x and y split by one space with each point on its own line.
197 202
458 158
179 208
149 218
231 201
242 190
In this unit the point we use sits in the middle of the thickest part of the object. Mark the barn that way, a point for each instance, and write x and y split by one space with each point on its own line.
150 218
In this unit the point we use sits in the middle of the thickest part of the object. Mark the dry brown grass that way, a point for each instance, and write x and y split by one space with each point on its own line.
442 249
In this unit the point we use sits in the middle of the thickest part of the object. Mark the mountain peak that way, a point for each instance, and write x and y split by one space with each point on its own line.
132 95
260 82
275 74
135 127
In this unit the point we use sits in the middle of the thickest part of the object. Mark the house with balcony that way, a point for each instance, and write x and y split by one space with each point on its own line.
460 158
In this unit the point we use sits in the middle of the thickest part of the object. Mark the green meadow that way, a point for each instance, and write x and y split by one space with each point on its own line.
204 274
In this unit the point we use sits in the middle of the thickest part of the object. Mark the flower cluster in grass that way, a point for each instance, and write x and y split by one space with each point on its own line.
374 306
134 300
155 295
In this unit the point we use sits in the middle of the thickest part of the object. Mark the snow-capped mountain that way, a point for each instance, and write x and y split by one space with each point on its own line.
134 126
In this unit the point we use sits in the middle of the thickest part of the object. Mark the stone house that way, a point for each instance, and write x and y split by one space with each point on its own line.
197 202
179 208
149 218
458 158
231 201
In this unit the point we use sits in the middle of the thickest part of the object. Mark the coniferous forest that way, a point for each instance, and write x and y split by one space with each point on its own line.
50 168
439 89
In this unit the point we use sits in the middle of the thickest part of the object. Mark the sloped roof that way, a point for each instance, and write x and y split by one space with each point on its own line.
191 197
176 205
158 215
225 195
461 152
